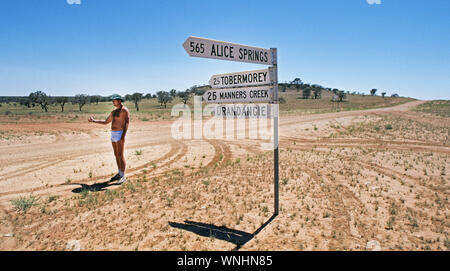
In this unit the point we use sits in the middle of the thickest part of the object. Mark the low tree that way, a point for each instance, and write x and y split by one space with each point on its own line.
341 95
148 96
136 98
317 92
25 102
383 94
160 96
306 93
61 100
173 93
163 98
373 91
96 98
193 89
199 90
184 96
297 81
39 97
81 100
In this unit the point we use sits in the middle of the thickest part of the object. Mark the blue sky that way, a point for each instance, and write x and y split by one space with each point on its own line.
118 46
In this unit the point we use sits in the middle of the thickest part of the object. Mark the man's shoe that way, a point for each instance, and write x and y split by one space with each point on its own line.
122 180
115 178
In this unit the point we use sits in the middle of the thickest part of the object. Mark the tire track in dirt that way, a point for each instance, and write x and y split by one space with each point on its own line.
342 203
443 122
336 115
250 148
361 141
87 150
175 146
52 162
30 169
222 153
371 166
326 116
393 174
377 144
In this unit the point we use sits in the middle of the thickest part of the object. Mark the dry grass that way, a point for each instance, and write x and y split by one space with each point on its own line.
438 108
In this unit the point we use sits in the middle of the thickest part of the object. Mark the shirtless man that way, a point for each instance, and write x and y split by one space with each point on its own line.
120 117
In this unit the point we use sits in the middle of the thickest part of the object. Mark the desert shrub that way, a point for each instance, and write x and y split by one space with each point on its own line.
24 204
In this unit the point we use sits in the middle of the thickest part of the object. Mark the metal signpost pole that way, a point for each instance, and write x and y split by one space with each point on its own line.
275 103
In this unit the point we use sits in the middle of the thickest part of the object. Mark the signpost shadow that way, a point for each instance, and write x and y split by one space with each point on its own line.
239 238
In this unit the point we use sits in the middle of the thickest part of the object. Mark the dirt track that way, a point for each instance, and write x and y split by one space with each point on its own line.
51 167
79 154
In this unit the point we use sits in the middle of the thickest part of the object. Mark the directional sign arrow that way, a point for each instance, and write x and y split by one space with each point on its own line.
242 95
201 47
240 79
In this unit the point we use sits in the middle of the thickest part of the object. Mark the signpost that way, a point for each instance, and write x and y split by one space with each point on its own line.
274 74
239 95
207 48
241 79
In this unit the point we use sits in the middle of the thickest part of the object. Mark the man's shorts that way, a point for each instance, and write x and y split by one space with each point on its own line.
116 135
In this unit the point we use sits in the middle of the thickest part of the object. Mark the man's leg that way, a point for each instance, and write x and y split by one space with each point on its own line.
120 154
116 151
121 157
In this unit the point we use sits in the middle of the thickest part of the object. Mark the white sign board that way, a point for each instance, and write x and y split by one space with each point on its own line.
240 79
242 95
242 111
201 47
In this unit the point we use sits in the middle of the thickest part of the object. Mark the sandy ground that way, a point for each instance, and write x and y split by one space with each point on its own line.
344 186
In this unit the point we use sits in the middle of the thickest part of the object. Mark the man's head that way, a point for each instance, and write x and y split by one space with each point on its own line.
117 100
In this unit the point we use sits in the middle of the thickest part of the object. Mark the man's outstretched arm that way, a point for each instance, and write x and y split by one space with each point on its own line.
106 121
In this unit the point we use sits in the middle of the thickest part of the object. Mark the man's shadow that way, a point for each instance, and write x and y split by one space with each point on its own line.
96 187
239 238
